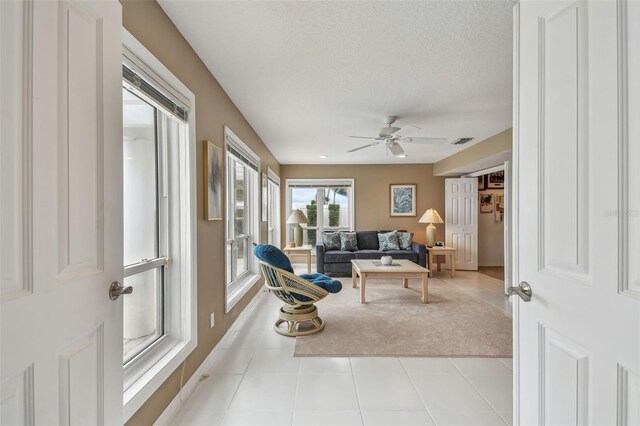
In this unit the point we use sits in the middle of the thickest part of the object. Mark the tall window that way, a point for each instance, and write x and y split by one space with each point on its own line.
327 203
273 206
242 228
159 316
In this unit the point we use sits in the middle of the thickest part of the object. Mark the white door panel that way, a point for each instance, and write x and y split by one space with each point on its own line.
578 340
461 220
61 359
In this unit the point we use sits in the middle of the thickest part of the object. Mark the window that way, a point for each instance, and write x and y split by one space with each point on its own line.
159 317
242 227
273 208
327 203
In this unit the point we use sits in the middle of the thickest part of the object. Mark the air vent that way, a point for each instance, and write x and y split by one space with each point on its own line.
461 141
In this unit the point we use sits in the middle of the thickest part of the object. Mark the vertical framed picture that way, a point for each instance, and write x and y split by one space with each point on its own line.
482 182
265 197
495 180
403 199
499 208
213 181
486 203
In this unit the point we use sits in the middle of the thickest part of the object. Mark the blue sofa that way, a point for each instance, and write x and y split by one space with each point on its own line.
339 262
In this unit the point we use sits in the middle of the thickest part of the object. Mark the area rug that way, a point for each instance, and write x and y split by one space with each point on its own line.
394 322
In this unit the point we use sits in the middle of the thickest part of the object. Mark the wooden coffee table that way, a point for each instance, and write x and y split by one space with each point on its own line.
400 268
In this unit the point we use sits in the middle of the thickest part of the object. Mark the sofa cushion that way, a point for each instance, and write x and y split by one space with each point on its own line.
403 254
348 241
388 241
331 241
367 240
273 256
339 256
369 254
404 240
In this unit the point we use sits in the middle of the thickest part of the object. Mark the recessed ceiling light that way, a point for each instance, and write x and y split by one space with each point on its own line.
402 156
324 156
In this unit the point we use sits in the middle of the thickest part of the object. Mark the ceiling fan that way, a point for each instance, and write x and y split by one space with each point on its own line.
391 136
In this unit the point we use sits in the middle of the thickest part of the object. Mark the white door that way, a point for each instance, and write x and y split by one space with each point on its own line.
577 212
461 220
61 212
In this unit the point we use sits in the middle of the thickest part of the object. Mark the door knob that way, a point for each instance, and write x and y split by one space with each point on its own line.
116 290
523 290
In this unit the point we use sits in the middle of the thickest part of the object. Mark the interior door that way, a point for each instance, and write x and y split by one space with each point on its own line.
61 212
461 220
577 151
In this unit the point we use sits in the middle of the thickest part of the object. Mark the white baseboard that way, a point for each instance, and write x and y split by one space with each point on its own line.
169 413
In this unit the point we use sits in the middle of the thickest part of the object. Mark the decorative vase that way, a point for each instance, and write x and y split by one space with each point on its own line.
386 260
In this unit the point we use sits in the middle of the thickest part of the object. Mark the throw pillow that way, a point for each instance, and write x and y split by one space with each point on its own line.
388 241
404 240
348 241
322 281
331 241
273 256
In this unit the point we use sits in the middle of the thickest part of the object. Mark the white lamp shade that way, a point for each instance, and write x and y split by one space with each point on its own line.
431 216
297 216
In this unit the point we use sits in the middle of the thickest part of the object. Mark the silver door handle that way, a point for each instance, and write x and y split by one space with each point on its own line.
523 290
116 290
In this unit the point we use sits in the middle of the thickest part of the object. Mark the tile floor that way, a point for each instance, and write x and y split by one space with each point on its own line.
255 380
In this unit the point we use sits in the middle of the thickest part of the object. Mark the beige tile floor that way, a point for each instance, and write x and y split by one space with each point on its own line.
255 380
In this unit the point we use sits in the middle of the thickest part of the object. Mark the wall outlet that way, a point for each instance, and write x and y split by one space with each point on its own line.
213 319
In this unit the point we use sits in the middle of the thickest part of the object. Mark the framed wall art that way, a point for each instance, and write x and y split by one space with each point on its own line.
495 180
403 199
213 181
265 197
486 203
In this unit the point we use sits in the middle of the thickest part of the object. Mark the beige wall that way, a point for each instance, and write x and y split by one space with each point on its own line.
149 24
490 236
477 157
372 193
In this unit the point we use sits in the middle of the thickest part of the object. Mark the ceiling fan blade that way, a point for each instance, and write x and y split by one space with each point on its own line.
406 131
363 137
363 147
395 148
429 141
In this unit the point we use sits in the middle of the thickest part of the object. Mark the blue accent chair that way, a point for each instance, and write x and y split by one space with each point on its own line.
299 293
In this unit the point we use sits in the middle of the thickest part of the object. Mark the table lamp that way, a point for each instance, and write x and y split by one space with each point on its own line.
297 217
431 216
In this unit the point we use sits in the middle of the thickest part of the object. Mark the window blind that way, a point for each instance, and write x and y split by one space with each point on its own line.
143 84
241 157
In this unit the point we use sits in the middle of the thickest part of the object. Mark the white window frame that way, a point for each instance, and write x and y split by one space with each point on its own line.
327 182
245 282
162 359
273 217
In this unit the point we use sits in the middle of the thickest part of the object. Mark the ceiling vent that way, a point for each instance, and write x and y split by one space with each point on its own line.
461 141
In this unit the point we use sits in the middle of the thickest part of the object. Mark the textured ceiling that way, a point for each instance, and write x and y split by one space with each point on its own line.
306 75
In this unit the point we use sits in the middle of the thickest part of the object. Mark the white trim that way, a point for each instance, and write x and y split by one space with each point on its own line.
486 171
167 416
514 210
273 175
138 393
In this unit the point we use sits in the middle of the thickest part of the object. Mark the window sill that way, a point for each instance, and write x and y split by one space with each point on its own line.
142 389
235 297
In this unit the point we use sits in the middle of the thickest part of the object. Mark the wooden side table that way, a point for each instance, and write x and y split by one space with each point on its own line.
306 250
441 251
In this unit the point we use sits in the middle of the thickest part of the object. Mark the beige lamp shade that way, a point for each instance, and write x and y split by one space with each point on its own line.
297 216
431 216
